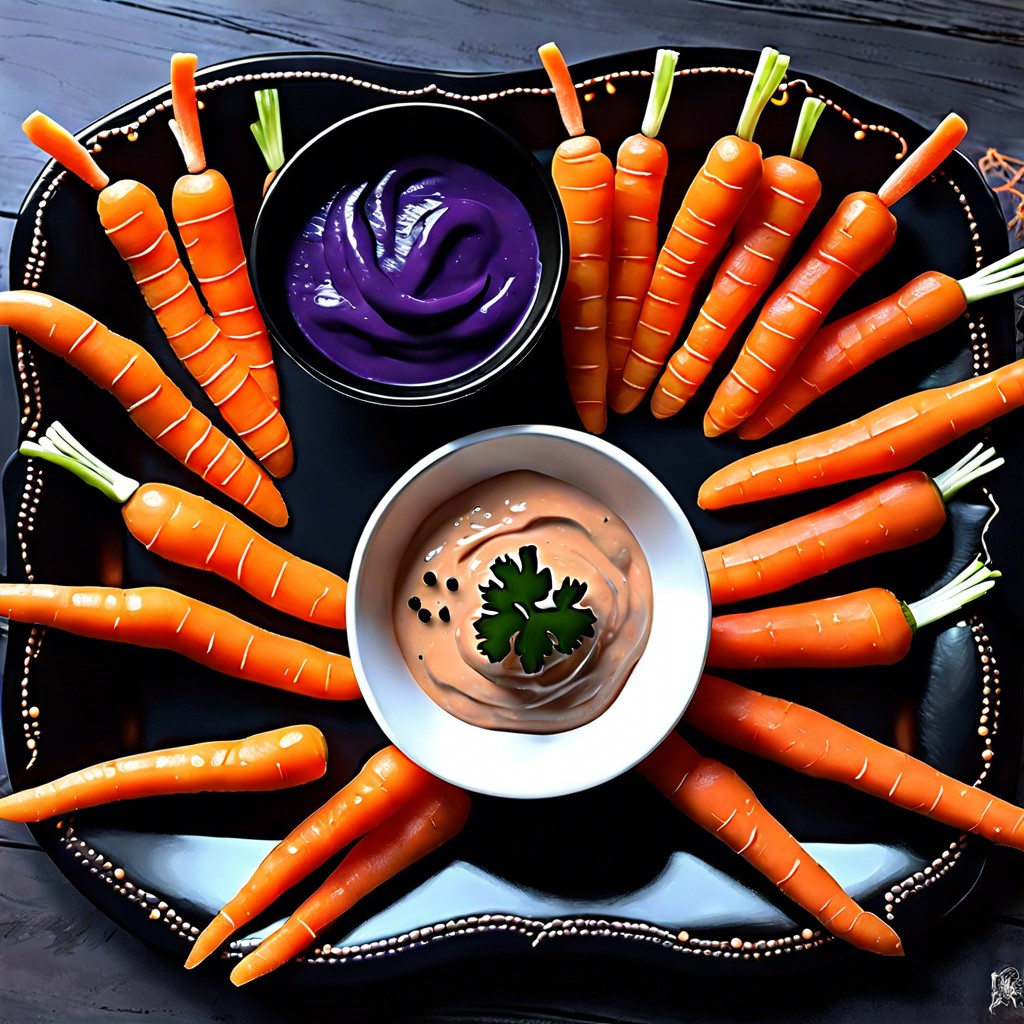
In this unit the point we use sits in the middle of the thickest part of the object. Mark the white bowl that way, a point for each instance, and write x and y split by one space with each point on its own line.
517 764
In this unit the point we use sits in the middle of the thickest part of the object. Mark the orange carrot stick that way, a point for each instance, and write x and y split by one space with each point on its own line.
204 211
585 180
430 819
386 783
890 515
265 761
64 148
134 222
886 439
639 179
806 741
867 627
845 347
859 234
189 530
152 399
767 229
706 216
165 619
720 802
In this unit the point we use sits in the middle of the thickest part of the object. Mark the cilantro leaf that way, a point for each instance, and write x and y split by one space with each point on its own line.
510 609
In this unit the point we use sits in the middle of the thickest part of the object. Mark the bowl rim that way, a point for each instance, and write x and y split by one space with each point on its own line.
431 393
538 751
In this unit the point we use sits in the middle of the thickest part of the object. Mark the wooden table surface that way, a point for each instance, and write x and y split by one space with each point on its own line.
60 959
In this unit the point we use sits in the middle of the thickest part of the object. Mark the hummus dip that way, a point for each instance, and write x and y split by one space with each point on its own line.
519 547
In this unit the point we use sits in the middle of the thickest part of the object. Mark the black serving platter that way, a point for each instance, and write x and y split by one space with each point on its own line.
614 871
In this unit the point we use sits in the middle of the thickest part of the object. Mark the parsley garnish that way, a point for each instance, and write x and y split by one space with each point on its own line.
510 609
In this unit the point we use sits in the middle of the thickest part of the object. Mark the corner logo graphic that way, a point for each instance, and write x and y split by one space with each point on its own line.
1007 989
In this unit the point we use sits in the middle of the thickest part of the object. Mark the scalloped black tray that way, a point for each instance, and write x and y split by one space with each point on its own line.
612 871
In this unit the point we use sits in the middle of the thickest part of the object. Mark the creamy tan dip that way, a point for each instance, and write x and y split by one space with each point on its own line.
439 602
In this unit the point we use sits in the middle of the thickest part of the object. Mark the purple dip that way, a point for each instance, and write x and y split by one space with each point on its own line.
417 277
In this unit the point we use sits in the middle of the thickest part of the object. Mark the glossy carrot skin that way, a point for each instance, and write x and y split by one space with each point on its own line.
165 619
184 528
888 516
204 211
386 783
856 237
640 171
719 801
867 627
265 761
765 233
585 180
152 399
845 347
429 820
135 223
886 439
807 741
706 216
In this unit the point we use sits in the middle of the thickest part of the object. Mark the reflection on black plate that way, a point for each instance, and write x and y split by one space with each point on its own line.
592 869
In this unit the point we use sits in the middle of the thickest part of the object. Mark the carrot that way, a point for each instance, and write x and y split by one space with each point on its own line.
429 820
720 802
584 178
152 399
858 235
64 148
204 211
888 438
888 516
192 531
706 216
867 627
640 171
133 220
267 132
784 198
842 348
165 619
387 782
807 741
265 761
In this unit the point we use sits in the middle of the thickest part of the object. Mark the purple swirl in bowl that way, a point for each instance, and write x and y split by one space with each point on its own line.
417 277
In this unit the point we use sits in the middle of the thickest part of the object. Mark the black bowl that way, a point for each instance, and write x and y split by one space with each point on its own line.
362 148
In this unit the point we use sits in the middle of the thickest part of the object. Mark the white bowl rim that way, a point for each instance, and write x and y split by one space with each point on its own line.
518 764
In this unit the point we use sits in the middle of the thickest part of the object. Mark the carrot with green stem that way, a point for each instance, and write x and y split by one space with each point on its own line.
709 211
889 438
841 349
264 761
807 741
867 627
267 132
387 782
894 514
425 823
856 237
585 181
766 231
204 211
133 220
189 530
640 170
167 620
155 403
719 801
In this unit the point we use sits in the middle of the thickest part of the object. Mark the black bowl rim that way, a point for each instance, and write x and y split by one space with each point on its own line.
449 389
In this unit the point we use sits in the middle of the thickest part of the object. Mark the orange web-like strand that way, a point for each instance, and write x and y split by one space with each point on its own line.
1010 171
